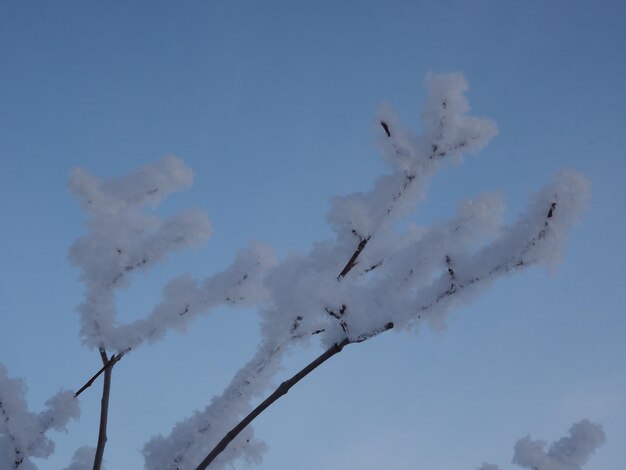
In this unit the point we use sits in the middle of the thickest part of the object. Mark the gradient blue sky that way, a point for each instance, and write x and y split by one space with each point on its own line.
273 105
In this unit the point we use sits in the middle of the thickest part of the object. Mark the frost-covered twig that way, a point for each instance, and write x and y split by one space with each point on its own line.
447 132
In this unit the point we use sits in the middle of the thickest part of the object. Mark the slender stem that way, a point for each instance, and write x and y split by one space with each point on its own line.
104 408
282 389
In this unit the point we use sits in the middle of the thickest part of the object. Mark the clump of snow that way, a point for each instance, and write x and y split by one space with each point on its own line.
23 433
568 453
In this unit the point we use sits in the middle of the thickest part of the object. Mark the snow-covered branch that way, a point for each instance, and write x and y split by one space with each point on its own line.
447 132
124 237
371 278
184 298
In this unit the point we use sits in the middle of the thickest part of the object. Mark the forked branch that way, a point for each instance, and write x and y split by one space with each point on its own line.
104 408
109 364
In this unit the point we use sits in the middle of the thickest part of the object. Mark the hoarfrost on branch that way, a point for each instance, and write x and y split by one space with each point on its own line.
367 279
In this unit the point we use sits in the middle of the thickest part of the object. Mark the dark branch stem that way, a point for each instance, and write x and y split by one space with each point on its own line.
352 261
104 408
282 389
109 364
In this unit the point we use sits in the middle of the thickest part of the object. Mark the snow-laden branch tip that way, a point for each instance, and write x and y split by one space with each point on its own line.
568 453
184 297
124 236
448 131
22 432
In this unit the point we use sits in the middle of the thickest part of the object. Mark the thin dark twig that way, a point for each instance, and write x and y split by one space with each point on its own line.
110 363
352 261
282 389
364 239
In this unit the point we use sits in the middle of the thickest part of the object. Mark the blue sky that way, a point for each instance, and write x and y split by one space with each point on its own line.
273 105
